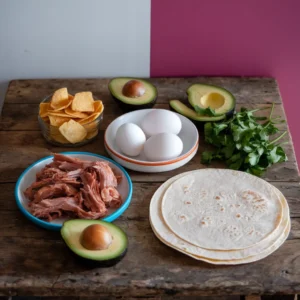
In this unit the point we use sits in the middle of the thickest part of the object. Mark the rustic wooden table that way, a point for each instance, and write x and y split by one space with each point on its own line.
34 261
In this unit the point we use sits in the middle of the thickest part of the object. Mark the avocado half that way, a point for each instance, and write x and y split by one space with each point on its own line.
147 100
184 110
217 98
71 233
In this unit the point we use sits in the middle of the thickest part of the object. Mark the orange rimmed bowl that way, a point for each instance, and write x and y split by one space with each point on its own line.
188 134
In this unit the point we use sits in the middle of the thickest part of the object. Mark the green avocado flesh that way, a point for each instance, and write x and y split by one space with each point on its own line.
191 114
218 99
71 233
116 86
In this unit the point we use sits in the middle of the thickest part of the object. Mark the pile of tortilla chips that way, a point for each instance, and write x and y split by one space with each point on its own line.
71 119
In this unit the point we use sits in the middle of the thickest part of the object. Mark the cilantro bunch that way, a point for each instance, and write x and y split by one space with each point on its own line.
244 142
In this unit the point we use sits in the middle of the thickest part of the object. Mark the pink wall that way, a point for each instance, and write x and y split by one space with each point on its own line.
230 37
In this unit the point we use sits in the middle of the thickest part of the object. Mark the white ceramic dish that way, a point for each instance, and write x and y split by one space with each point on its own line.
188 134
28 177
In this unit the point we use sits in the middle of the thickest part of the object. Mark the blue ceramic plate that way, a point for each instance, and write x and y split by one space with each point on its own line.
28 177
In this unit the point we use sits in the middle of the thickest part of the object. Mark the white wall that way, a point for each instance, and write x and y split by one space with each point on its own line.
73 38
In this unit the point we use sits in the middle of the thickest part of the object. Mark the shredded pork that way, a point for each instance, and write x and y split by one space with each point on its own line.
73 187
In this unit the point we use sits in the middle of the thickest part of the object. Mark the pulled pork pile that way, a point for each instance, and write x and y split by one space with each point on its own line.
75 188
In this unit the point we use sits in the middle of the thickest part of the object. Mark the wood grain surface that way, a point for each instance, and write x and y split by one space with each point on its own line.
34 261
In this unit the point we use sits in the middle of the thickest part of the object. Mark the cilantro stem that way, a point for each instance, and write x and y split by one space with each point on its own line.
277 139
267 125
283 143
260 118
257 109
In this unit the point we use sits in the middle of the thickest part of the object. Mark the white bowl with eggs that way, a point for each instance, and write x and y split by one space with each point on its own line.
151 140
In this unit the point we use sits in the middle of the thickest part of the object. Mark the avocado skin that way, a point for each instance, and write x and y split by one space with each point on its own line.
200 124
98 258
230 112
92 264
129 107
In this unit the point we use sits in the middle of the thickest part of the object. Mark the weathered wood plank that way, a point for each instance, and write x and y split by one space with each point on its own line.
24 116
278 297
26 274
252 297
223 297
143 192
245 89
134 221
25 147
164 297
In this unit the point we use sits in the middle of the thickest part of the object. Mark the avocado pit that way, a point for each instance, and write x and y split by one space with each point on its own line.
133 89
96 237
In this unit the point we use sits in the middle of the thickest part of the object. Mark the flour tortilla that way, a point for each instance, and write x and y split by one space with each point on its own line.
249 259
221 209
168 237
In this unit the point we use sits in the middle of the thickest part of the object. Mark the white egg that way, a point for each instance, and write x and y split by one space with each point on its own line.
163 146
159 121
130 138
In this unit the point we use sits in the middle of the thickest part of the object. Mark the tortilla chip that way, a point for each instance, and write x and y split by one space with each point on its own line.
75 114
90 118
57 121
58 114
73 131
83 102
44 109
62 105
60 98
98 106
91 134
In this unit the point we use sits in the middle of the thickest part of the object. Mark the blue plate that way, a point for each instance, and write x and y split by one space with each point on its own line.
28 177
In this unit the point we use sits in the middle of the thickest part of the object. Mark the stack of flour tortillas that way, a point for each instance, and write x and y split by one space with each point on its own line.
220 216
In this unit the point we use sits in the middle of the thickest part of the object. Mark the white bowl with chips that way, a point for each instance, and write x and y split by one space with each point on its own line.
84 129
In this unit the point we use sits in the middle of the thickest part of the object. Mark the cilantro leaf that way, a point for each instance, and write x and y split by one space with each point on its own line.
205 111
247 149
244 143
207 157
253 158
277 155
228 150
218 127
258 171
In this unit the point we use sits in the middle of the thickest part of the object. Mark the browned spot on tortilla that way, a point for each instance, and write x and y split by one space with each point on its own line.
258 200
